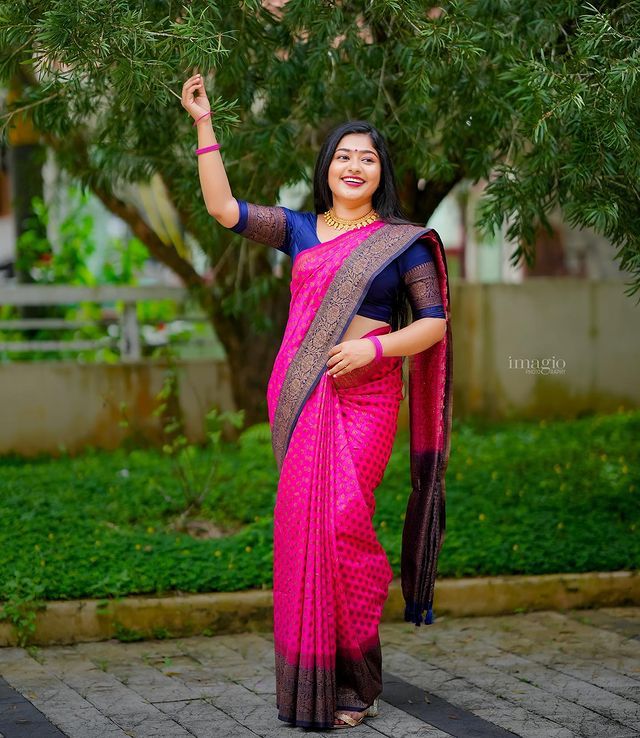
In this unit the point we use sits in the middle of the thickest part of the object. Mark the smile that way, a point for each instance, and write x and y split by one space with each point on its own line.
353 181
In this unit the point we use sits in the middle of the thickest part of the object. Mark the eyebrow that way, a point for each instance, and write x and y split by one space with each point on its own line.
364 151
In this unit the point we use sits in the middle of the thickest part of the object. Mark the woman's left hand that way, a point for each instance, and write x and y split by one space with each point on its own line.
350 355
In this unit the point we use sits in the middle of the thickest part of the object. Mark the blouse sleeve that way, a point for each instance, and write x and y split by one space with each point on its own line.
268 224
421 282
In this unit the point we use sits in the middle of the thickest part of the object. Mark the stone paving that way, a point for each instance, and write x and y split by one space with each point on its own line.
536 675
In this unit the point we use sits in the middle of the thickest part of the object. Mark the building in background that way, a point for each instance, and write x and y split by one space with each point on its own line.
565 252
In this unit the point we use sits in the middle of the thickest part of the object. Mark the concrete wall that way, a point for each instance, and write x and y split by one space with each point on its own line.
588 330
51 404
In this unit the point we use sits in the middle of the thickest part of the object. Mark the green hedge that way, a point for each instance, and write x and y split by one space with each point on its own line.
521 498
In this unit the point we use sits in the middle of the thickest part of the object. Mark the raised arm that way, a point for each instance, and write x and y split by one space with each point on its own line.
221 204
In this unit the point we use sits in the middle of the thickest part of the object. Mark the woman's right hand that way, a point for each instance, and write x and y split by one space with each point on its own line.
194 97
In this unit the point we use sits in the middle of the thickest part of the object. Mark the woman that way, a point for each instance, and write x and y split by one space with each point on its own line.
333 399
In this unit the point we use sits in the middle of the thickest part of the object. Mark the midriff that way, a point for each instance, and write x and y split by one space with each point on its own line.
360 326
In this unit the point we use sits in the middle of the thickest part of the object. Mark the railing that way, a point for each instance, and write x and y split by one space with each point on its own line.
123 326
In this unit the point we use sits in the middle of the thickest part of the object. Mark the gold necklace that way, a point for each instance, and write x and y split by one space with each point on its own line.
331 219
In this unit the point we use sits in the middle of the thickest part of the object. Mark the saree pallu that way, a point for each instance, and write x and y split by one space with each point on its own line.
332 439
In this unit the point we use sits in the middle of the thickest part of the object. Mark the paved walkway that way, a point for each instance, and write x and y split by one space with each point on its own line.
536 675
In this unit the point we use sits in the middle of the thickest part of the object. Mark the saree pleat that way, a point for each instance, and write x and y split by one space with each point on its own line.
331 575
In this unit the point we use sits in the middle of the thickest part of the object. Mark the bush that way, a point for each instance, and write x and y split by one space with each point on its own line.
521 498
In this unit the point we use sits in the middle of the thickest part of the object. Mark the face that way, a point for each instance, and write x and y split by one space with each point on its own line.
354 172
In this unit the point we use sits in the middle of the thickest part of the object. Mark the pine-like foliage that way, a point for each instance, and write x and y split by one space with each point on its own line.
542 97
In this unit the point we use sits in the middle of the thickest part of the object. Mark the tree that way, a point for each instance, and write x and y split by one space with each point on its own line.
539 98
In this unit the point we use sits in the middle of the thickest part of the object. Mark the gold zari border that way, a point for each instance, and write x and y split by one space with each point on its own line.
340 301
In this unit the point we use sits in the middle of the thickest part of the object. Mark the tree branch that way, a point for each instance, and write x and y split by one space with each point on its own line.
163 253
166 254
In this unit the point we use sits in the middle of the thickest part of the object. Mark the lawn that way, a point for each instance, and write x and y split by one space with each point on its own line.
526 497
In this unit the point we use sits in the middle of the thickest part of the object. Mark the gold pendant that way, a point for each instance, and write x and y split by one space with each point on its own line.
341 224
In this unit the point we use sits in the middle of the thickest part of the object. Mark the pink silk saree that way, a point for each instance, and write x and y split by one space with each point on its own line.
332 439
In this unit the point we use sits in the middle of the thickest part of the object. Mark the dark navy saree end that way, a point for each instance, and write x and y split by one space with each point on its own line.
413 613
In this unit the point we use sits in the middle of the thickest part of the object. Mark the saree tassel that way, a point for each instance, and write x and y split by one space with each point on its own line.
413 614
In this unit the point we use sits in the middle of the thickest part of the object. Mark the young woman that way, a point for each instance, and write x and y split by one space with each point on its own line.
333 399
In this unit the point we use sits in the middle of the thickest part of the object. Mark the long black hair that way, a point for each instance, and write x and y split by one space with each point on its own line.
385 200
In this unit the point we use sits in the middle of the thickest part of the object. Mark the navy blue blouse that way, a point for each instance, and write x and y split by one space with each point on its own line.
292 231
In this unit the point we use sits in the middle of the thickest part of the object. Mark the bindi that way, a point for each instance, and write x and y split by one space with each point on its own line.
364 151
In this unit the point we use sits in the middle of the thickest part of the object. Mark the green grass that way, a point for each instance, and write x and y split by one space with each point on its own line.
521 498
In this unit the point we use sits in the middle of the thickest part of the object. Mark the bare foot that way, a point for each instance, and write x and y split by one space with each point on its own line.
354 715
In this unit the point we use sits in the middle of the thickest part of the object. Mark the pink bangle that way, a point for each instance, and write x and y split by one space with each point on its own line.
204 115
204 150
378 345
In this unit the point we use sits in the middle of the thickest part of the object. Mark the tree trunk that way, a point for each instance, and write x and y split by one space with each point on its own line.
250 354
421 204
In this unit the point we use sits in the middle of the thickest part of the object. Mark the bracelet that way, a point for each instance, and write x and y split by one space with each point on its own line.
378 345
205 149
197 120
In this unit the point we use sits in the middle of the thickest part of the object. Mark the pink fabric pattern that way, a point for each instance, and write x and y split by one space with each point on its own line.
331 575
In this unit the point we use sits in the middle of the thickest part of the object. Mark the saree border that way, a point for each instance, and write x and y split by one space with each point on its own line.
339 304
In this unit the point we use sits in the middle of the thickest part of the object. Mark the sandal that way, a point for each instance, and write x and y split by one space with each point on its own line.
351 722
372 710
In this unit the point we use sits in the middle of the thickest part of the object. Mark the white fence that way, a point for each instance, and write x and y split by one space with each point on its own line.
121 323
